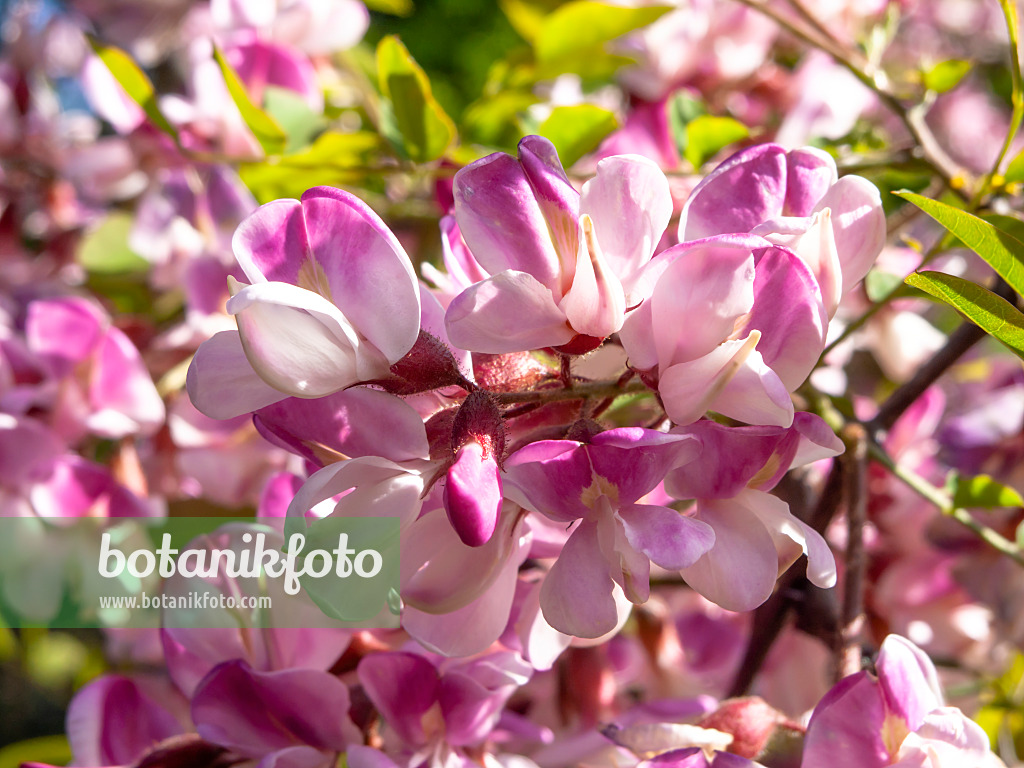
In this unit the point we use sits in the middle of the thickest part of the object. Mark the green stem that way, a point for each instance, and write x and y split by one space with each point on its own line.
945 505
595 389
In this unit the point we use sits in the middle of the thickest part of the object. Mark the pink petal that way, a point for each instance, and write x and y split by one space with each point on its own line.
635 460
595 304
369 275
402 686
630 203
502 221
846 727
222 383
699 299
299 343
813 240
774 513
755 395
576 596
908 680
510 312
809 174
271 244
739 572
255 713
551 475
668 538
789 313
858 223
746 189
472 495
121 388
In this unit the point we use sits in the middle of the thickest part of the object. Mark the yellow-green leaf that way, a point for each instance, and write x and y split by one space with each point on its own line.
576 130
135 83
1015 171
53 750
583 24
946 75
266 130
394 7
1000 250
707 134
991 313
412 119
105 249
984 492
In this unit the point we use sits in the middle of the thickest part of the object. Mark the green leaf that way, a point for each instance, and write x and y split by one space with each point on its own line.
394 7
53 750
105 249
578 26
1015 171
983 492
334 159
706 135
1000 250
266 130
991 313
290 111
879 284
577 130
413 120
946 75
135 83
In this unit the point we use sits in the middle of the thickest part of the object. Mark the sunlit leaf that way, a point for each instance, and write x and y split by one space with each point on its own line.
414 122
1000 250
879 284
394 7
52 750
946 75
266 130
577 130
135 83
1015 171
105 249
334 159
991 313
290 111
581 25
706 135
981 491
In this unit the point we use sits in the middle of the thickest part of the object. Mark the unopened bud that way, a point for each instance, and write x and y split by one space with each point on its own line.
429 365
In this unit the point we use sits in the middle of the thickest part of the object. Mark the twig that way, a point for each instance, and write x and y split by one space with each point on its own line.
945 505
582 391
847 654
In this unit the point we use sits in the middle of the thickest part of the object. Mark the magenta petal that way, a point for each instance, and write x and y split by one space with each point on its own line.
472 495
699 299
668 538
355 422
503 223
908 680
790 315
635 460
114 720
403 687
739 572
122 391
222 383
552 475
630 204
755 395
746 189
369 275
858 224
255 713
846 727
64 332
271 244
510 312
809 174
576 596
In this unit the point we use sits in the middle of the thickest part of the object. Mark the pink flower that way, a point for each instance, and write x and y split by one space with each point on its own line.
896 718
333 301
562 266
733 325
599 484
756 536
